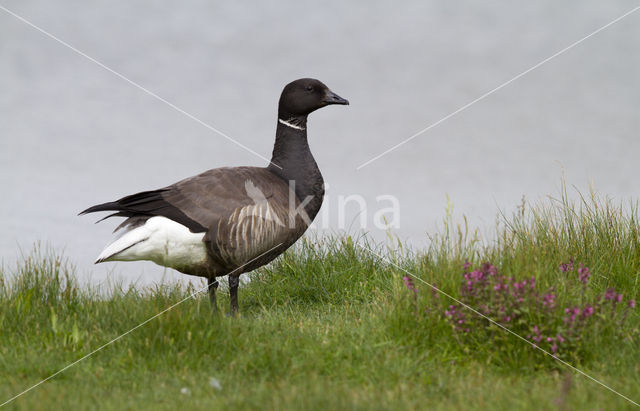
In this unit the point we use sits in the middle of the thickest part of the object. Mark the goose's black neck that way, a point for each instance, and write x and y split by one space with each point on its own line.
292 160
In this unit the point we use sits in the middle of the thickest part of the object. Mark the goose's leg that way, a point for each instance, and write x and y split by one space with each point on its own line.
213 286
234 281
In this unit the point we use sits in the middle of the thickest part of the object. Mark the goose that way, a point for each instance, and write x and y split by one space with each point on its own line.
230 220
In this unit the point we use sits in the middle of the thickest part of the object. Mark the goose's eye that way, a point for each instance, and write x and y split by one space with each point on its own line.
309 88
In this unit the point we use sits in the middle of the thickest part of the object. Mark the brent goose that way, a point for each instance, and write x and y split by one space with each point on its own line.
230 220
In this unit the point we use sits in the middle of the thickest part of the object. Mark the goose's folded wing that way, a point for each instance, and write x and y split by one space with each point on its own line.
207 202
215 195
245 212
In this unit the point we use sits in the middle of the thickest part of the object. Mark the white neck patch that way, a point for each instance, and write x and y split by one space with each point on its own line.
286 123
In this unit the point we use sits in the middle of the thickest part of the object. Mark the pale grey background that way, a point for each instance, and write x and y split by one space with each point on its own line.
73 134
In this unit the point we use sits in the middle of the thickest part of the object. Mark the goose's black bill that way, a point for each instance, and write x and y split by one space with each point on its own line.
333 98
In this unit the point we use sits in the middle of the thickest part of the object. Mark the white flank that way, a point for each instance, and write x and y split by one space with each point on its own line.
160 240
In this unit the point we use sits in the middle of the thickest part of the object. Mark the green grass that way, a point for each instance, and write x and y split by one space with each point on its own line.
329 325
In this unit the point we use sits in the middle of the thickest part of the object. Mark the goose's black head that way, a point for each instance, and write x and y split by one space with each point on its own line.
303 96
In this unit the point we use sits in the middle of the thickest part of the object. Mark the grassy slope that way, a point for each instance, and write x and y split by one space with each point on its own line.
327 325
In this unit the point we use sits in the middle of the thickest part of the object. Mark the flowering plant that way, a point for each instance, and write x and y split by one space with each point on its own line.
520 306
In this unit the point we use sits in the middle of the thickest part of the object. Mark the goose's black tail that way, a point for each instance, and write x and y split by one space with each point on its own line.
141 206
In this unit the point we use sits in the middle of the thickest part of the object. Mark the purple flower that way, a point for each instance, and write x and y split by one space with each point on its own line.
491 269
538 336
466 265
548 300
584 274
610 294
573 313
631 304
434 291
408 282
566 267
588 311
